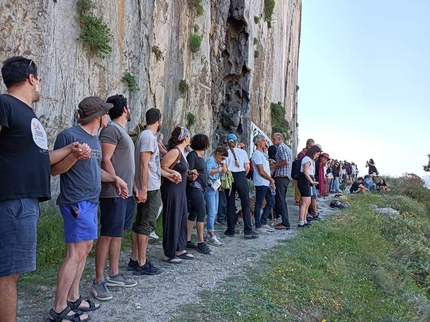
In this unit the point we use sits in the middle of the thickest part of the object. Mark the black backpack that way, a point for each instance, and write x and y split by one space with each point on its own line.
295 169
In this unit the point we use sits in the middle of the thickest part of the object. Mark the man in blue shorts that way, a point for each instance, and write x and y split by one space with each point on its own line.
116 214
25 166
80 186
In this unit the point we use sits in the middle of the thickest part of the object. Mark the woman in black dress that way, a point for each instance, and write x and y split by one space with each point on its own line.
175 198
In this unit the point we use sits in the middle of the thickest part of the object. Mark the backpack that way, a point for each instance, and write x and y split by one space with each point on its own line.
227 180
295 169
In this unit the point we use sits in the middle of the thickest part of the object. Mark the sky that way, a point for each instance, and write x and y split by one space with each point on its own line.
364 78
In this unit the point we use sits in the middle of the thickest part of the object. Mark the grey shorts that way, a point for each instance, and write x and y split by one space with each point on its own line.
116 215
18 236
147 212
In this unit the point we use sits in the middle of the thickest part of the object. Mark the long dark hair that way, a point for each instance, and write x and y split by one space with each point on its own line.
174 137
312 151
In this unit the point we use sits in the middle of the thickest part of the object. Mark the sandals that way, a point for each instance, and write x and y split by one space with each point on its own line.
75 305
173 260
185 255
59 317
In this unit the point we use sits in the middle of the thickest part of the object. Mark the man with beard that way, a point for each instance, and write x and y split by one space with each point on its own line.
25 173
147 193
116 214
80 186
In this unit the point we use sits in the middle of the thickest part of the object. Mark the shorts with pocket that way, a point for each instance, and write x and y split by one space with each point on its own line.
147 212
80 222
116 215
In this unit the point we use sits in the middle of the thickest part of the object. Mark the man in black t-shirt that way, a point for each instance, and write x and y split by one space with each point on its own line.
358 186
25 166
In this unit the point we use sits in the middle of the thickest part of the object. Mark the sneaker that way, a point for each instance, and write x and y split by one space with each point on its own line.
316 218
222 222
190 245
100 291
251 235
214 240
268 228
153 235
203 248
303 226
132 265
120 280
147 269
228 234
262 231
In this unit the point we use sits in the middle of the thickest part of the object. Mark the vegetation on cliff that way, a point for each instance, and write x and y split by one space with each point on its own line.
95 35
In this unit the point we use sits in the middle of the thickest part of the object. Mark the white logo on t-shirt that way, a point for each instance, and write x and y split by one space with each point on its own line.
39 134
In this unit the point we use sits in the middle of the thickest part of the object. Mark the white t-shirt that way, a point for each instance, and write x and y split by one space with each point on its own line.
259 157
242 158
148 143
311 170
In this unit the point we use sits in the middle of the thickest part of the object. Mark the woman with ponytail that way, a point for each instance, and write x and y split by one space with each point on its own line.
238 164
174 198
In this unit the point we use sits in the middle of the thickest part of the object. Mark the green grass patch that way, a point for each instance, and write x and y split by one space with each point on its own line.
130 81
95 35
195 43
356 266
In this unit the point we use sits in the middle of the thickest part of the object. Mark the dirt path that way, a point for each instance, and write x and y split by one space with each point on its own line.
157 298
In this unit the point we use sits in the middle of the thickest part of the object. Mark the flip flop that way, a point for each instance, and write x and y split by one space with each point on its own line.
186 255
173 260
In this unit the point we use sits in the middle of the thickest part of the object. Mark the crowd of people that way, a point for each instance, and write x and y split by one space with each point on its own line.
99 164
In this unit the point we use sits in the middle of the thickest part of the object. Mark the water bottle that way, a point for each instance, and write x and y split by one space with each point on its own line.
272 189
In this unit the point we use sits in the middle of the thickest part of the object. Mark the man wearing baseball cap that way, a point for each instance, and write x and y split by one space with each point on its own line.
80 185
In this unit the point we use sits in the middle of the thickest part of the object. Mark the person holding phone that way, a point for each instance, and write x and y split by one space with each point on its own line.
307 183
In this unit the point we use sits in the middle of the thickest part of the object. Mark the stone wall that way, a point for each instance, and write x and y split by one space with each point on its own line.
228 85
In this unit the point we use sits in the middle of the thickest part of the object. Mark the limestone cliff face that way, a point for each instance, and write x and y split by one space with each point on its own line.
229 86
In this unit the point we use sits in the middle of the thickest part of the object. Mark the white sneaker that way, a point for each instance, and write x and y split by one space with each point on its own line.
153 235
261 231
268 228
214 241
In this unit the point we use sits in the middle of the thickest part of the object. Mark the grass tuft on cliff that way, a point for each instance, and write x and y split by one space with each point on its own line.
95 35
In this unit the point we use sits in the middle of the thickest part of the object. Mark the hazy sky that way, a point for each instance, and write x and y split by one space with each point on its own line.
364 78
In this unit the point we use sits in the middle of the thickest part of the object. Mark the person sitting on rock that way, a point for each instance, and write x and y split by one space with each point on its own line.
358 186
382 186
369 183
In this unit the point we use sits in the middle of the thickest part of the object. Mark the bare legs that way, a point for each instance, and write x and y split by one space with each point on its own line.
107 245
8 298
70 273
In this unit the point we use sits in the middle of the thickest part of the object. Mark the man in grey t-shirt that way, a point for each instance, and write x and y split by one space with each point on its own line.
148 195
116 214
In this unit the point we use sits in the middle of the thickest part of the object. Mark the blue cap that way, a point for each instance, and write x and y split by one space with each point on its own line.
231 137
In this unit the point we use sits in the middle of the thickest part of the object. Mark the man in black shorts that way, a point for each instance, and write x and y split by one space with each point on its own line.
116 213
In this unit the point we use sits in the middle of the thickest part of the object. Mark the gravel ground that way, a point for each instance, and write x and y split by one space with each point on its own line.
157 298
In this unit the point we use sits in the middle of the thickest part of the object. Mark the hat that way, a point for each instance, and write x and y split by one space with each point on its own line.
319 145
231 137
325 154
91 107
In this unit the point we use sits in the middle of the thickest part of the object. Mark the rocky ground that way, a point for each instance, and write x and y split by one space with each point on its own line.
157 298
